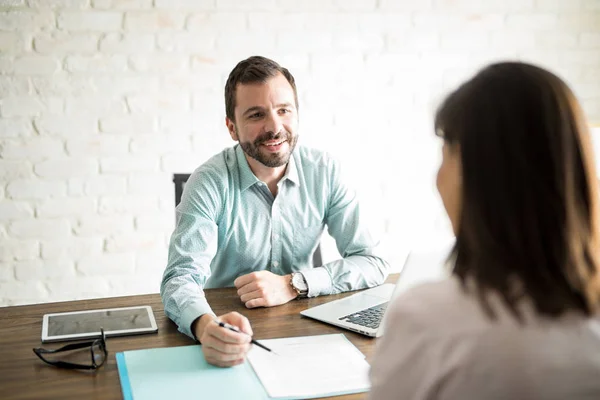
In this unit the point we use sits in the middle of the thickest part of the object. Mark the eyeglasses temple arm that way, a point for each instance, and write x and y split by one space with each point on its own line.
68 347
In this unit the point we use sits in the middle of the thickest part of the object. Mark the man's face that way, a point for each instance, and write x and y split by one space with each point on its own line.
266 121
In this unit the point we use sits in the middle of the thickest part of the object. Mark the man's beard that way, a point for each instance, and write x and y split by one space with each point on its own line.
272 160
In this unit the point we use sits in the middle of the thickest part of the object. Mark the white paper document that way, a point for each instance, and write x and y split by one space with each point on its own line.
310 366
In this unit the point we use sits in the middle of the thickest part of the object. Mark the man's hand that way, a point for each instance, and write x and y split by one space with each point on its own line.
264 289
223 347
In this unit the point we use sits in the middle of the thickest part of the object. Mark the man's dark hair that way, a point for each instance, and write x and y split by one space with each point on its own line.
255 69
529 220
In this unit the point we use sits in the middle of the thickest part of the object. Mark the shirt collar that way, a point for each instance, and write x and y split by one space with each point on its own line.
247 177
291 171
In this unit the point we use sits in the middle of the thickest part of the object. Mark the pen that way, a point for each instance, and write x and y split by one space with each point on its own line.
236 329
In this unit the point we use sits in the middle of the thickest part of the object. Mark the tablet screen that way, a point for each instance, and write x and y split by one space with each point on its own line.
88 322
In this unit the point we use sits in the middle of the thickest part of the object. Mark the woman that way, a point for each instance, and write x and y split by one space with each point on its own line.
518 319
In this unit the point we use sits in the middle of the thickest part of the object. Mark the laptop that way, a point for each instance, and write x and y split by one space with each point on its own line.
363 312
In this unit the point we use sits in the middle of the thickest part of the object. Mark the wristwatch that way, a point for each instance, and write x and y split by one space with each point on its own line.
299 284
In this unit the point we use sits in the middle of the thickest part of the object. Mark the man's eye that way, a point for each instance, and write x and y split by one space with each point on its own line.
255 115
284 111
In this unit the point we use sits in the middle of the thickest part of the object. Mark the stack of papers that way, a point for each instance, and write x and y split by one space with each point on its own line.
302 368
310 366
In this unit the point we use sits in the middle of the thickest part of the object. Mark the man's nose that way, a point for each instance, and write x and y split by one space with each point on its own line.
273 123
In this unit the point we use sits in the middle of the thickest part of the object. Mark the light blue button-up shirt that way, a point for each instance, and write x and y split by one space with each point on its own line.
229 224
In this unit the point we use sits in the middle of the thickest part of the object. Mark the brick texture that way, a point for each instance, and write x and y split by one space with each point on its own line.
101 101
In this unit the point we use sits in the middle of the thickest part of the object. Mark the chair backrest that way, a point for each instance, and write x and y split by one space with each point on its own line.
180 179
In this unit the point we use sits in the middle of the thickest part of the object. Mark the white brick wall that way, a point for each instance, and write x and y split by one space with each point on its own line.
101 101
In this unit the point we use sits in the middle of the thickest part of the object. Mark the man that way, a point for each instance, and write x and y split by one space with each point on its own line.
251 217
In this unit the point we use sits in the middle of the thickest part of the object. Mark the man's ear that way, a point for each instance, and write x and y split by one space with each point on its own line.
231 128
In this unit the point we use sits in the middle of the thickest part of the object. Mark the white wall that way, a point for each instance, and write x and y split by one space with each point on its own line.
101 101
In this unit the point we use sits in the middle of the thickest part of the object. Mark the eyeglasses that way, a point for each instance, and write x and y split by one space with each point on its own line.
97 350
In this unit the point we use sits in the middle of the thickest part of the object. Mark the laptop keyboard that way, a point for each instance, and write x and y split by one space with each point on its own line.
370 317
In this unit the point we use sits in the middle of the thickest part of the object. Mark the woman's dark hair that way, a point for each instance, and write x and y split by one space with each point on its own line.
529 217
255 69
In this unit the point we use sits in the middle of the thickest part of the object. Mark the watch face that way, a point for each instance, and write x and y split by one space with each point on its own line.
299 282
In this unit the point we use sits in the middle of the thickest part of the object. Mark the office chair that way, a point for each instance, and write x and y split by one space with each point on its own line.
180 179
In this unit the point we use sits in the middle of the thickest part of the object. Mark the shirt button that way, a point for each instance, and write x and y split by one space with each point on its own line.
275 237
276 264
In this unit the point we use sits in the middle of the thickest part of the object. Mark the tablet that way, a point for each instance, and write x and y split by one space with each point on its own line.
86 324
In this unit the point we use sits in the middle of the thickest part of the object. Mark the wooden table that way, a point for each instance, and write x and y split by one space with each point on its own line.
24 376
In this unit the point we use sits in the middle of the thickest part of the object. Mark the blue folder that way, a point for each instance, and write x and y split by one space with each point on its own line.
180 372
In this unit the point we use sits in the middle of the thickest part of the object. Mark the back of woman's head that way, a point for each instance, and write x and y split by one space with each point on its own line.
529 213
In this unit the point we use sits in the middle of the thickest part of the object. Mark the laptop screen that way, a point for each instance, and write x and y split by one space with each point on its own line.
420 267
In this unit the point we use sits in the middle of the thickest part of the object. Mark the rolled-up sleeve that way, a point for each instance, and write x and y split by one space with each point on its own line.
192 247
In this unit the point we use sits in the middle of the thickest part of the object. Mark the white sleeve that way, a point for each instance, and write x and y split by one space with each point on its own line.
408 360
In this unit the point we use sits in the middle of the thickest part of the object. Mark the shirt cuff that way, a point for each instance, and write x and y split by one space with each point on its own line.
318 280
190 314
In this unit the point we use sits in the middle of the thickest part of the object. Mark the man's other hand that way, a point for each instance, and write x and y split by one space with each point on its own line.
264 289
223 347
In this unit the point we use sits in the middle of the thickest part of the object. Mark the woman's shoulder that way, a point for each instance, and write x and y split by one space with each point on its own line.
428 294
443 303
